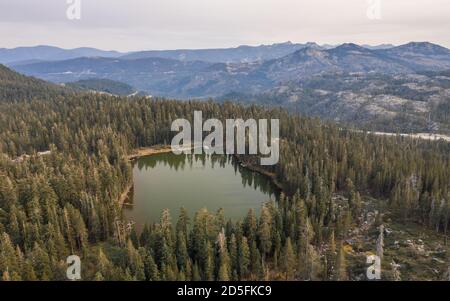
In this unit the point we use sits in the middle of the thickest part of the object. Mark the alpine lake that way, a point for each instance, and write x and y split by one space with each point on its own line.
169 181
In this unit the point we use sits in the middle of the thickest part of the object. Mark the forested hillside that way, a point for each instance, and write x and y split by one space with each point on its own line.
65 201
17 87
103 86
394 89
185 77
392 103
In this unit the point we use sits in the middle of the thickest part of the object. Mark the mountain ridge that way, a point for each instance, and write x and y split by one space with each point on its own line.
18 87
50 53
19 55
200 79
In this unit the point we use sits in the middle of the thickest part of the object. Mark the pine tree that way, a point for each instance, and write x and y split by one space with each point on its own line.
135 262
233 247
341 265
250 226
104 266
255 261
289 261
41 263
183 222
181 251
8 195
224 272
331 255
304 254
244 259
151 269
264 231
208 263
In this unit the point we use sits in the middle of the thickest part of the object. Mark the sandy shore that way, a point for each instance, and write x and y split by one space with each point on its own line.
148 151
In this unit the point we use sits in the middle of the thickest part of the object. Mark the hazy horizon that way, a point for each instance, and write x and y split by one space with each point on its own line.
200 24
225 47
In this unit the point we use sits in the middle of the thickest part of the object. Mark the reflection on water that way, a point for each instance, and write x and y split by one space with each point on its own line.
194 182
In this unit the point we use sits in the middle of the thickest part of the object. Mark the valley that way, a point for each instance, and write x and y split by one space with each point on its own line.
396 89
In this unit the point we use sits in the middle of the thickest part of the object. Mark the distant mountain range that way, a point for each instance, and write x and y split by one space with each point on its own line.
239 54
34 54
404 88
252 70
23 55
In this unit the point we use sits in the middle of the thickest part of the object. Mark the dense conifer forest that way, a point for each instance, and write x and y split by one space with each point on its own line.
63 167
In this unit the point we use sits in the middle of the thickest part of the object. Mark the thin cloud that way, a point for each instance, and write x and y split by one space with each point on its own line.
168 24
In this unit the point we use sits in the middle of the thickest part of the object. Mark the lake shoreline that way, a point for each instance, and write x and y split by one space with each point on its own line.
260 170
149 151
163 149
136 154
124 195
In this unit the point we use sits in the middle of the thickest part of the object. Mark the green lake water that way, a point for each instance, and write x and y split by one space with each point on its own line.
168 181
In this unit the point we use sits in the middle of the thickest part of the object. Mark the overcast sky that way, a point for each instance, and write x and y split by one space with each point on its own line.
169 24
